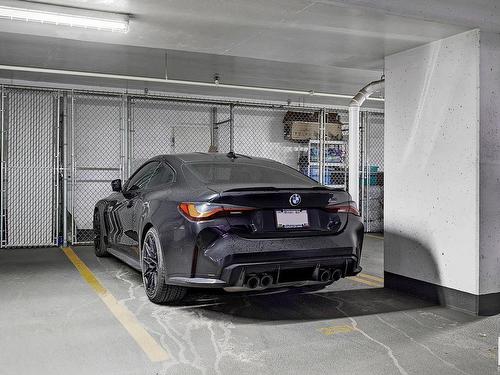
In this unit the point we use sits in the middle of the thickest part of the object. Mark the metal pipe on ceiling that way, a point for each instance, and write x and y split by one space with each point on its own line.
354 109
177 82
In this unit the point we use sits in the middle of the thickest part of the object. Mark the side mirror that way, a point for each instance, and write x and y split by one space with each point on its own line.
116 185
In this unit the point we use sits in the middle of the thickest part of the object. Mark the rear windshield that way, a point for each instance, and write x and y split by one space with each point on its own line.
242 173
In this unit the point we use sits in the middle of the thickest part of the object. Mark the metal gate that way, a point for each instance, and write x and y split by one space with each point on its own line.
61 149
372 171
29 195
97 137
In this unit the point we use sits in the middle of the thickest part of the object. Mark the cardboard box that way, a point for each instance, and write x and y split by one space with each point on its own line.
305 131
304 126
333 132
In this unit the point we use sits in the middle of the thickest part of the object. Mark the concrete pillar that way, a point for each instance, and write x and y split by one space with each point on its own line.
442 172
489 175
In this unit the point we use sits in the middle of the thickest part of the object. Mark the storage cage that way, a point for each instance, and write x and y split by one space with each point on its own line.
61 148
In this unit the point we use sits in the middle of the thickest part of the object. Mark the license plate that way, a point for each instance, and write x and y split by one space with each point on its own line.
291 219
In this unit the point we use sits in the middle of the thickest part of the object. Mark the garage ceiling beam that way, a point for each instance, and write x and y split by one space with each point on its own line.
177 82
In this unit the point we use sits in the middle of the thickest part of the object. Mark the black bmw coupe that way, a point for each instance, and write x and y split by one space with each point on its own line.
227 221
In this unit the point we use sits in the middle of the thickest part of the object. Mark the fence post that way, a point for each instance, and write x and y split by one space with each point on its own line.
73 168
368 172
123 138
362 200
231 127
2 162
65 170
214 130
57 166
321 158
129 137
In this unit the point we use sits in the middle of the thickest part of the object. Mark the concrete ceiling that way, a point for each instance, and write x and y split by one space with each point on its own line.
327 33
65 54
327 45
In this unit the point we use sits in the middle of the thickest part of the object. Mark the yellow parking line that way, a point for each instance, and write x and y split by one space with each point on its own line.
366 282
334 330
372 236
371 277
148 344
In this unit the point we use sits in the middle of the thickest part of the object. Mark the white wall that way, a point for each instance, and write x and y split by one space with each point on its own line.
431 163
489 281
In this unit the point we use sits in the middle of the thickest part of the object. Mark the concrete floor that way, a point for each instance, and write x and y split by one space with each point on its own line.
53 322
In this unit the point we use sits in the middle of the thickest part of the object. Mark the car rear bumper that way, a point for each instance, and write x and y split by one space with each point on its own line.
230 261
296 272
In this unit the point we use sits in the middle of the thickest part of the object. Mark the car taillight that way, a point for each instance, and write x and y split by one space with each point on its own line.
206 211
346 207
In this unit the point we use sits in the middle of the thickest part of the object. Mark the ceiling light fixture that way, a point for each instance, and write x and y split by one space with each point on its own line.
68 17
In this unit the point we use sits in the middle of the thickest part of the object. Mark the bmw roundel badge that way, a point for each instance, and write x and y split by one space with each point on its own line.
295 199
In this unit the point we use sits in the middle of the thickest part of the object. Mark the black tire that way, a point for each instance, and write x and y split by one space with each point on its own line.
154 273
100 248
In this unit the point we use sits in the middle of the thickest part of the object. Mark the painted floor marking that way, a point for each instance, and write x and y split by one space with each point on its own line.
365 281
372 236
333 330
371 277
148 344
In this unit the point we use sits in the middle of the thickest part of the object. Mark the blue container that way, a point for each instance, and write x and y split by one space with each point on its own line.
373 171
372 175
314 172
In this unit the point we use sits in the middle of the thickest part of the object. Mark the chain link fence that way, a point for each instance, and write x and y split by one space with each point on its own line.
97 157
372 171
29 161
105 136
173 127
267 133
293 137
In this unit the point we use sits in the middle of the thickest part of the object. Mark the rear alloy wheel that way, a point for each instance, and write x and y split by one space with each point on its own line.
154 273
99 242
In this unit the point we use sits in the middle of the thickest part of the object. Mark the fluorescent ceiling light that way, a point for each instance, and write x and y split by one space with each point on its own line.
77 18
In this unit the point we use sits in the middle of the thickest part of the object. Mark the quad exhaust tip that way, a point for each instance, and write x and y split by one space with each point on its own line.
337 274
253 282
324 275
266 280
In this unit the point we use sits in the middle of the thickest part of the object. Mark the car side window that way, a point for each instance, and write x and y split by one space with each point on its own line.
164 174
141 178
